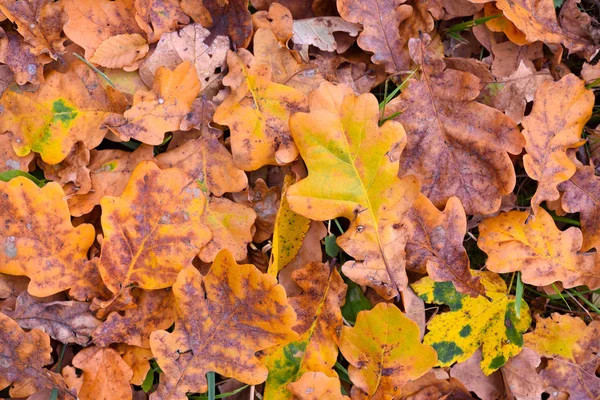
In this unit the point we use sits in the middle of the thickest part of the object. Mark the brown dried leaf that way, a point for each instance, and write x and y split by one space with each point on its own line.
486 387
65 321
320 31
157 17
26 66
9 160
457 147
521 376
72 173
121 51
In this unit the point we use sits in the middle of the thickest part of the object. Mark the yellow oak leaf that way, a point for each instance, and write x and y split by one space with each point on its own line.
544 254
138 360
121 51
288 233
352 166
152 230
435 244
38 239
224 318
23 355
161 110
319 324
474 322
67 108
560 111
456 146
572 349
91 22
384 351
257 112
503 24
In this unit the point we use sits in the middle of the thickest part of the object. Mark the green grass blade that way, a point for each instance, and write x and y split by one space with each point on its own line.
96 70
519 295
8 175
210 377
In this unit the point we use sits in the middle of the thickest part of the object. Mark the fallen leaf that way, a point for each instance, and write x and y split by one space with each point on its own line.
264 200
153 311
278 19
52 261
384 351
435 244
573 348
157 17
152 230
508 56
18 55
316 386
65 321
105 374
121 51
319 325
24 355
91 22
138 360
161 110
381 33
9 160
559 113
435 384
40 23
456 147
109 173
469 373
521 375
188 44
581 194
590 72
320 31
224 318
288 233
472 323
72 173
257 111
230 18
68 108
503 24
361 182
537 20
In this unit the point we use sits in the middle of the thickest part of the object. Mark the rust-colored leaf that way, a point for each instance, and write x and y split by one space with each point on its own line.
18 55
456 147
560 111
257 111
161 110
9 160
157 17
316 386
121 51
354 177
535 246
68 108
152 230
224 318
435 244
23 355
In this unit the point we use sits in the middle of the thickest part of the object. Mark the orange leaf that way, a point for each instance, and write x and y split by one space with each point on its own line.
152 230
224 319
157 17
121 51
317 386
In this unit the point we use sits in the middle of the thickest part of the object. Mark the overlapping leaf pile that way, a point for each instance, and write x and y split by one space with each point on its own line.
304 199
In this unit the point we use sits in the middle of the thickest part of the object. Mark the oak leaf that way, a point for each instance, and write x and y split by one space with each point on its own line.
105 374
573 351
521 375
319 324
474 322
435 244
69 107
226 18
23 355
581 194
152 230
72 173
161 110
18 56
381 33
224 318
537 20
54 261
65 321
138 360
352 164
514 241
40 23
258 111
91 22
320 31
188 44
456 147
384 352
157 17
316 386
9 160
277 19
121 51
154 310
560 111
503 24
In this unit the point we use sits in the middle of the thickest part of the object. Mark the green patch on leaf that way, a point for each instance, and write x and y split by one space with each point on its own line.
447 350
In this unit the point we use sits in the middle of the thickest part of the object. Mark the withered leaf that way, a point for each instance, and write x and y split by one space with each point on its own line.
121 51
435 244
223 319
157 17
320 31
9 160
456 147
18 55
354 177
559 113
65 321
316 386
152 230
